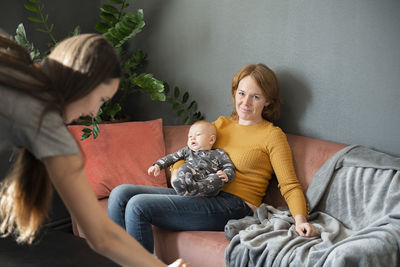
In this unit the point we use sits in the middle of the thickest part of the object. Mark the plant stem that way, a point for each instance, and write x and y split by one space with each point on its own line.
122 9
46 26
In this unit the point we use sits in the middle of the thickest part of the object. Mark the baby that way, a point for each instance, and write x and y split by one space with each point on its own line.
205 170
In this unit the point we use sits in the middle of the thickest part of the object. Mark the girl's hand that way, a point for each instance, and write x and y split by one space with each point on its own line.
304 228
154 169
179 263
223 176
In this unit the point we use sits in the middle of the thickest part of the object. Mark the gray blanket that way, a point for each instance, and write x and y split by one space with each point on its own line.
354 202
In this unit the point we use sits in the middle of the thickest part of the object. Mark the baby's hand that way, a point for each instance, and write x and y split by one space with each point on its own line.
223 176
155 169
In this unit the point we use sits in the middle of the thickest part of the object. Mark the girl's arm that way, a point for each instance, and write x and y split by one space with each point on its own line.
104 236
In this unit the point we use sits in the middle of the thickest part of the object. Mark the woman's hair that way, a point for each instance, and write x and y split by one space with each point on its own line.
269 85
73 69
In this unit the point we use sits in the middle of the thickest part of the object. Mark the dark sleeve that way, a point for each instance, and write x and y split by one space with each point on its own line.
226 164
170 159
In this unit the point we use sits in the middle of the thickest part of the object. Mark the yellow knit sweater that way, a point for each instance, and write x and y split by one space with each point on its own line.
257 152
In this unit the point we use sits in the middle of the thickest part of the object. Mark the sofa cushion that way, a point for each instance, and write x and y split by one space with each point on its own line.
121 154
200 248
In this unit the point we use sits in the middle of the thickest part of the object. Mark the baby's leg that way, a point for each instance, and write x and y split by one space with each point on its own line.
179 183
213 185
208 186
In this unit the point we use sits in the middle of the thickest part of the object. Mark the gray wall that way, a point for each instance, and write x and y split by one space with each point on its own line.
338 61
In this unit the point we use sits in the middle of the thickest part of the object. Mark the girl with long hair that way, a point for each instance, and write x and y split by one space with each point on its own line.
36 103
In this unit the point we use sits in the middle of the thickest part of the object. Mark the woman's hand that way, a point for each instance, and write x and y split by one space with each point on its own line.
179 263
304 228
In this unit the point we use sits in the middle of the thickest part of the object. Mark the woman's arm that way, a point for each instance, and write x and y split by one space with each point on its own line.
104 236
289 185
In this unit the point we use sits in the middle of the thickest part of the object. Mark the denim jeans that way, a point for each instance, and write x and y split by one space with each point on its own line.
136 208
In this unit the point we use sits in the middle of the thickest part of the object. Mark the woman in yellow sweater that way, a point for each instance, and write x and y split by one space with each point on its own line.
258 150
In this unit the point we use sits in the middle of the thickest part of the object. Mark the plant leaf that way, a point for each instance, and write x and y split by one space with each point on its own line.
42 30
86 122
102 27
76 31
109 9
129 25
107 17
166 88
185 98
34 19
148 83
187 120
132 63
162 97
180 112
110 110
85 136
176 92
31 8
96 130
21 38
98 119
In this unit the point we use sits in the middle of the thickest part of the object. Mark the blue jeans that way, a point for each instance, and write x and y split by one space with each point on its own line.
136 208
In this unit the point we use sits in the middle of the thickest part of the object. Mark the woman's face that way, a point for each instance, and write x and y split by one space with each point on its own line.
249 101
90 104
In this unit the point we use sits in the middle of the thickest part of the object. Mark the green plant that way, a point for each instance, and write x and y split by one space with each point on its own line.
20 37
119 26
182 106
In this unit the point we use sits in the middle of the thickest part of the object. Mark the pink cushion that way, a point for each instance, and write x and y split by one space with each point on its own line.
121 154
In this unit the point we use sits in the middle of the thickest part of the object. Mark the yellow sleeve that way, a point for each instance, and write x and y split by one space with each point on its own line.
288 183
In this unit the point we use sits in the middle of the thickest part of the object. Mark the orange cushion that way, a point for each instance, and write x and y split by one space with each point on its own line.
121 154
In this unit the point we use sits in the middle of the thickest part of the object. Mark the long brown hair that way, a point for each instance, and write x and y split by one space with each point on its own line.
269 85
73 69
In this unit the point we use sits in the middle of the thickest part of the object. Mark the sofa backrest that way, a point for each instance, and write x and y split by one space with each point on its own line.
309 154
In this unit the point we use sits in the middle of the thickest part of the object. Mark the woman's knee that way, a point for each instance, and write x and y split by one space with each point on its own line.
120 192
139 206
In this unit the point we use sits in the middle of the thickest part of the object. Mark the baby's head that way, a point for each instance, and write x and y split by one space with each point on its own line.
202 136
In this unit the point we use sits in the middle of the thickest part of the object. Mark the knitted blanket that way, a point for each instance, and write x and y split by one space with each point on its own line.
354 202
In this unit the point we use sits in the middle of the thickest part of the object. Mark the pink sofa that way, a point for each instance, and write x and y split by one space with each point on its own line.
207 248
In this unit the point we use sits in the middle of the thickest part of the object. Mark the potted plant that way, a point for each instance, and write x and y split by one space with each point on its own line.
119 26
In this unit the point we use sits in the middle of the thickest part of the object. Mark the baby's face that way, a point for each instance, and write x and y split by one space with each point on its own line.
200 138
